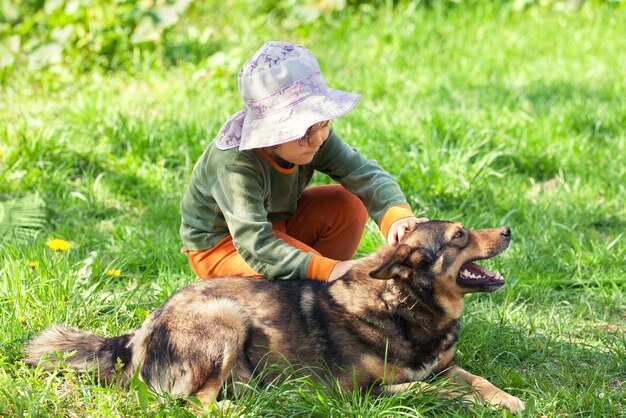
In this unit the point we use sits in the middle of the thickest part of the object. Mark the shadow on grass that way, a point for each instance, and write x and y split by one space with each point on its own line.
538 114
100 205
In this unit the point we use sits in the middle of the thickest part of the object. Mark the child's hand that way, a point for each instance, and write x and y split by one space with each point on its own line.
340 269
402 227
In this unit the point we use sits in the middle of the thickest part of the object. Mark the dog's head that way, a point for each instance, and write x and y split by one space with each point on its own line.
441 255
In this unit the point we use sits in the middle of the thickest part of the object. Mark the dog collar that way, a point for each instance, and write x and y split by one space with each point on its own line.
406 297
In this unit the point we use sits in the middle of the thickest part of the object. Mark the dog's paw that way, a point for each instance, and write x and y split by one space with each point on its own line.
226 407
512 403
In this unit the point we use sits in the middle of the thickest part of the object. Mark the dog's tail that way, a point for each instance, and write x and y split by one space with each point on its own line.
80 349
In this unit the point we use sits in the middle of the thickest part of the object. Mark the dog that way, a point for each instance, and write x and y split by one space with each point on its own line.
389 323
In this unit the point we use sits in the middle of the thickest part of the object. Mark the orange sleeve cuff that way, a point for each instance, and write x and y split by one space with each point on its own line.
393 214
320 268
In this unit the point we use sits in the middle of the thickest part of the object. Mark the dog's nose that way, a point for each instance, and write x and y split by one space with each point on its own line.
506 232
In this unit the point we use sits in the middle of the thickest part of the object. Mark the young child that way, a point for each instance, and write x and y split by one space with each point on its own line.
247 211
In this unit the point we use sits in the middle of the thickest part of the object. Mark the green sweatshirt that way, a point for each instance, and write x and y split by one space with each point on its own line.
240 193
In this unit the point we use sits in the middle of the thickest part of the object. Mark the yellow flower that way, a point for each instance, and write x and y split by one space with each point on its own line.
33 264
58 245
113 273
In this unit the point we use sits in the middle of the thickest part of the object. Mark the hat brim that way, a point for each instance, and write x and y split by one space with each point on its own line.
293 122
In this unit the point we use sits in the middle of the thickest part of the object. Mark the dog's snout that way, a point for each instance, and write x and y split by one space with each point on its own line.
506 232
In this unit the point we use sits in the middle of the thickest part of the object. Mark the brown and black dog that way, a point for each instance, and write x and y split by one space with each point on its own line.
391 321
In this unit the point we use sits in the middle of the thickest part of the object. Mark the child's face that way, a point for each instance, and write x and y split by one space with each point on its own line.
301 151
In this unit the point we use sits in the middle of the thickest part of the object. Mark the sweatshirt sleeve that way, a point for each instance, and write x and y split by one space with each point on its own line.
378 191
239 193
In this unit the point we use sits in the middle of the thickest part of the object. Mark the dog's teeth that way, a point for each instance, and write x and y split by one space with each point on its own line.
465 273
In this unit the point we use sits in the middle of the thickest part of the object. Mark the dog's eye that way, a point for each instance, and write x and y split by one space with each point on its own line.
459 234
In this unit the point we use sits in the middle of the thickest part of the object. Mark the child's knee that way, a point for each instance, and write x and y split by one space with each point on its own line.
351 206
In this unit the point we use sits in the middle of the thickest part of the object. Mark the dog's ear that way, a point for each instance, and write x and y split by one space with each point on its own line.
398 265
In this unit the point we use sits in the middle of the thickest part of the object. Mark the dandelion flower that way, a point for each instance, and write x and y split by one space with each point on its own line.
58 245
113 273
33 264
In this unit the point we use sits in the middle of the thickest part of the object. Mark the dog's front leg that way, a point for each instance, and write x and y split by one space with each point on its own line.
401 387
486 389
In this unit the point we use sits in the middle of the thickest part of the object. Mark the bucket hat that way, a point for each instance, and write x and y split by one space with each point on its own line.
284 94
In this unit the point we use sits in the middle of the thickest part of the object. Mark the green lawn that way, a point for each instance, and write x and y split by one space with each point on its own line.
486 115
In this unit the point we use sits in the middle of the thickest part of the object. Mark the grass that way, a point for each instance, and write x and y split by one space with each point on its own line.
483 114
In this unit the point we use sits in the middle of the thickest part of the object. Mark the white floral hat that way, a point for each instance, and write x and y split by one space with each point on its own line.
285 94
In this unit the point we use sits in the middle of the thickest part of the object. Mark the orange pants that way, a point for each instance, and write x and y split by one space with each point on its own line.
329 221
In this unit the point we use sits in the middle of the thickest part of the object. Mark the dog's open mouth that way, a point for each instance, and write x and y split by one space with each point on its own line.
473 275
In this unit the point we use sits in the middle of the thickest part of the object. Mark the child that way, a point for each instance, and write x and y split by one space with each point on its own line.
246 211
